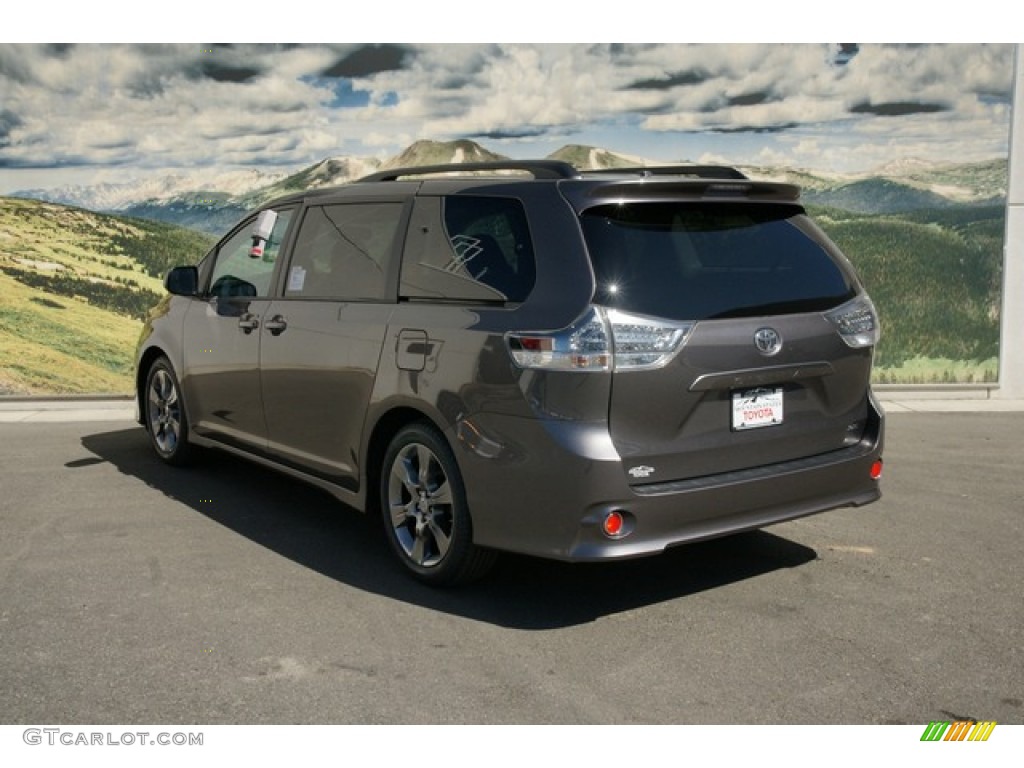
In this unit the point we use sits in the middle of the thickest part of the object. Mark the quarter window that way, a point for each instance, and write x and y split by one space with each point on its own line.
466 248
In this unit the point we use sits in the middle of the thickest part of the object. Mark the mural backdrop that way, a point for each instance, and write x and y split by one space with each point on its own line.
119 161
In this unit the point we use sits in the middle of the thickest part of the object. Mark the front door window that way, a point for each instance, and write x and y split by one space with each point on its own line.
237 273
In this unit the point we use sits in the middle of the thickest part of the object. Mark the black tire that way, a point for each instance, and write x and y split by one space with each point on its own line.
164 409
424 510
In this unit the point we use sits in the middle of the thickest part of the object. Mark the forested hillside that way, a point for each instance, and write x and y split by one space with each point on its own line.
935 276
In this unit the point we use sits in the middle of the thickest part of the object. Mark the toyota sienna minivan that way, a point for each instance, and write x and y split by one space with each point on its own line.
526 357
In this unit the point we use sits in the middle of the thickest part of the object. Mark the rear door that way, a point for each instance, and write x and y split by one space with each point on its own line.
763 376
322 340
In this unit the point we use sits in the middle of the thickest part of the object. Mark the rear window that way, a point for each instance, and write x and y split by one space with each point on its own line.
704 261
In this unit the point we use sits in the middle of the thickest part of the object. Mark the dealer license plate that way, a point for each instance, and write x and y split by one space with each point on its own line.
757 408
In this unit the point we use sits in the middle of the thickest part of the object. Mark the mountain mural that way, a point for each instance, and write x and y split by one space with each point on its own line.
927 240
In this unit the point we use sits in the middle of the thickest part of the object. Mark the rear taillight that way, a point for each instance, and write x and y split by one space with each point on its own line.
600 340
583 346
857 322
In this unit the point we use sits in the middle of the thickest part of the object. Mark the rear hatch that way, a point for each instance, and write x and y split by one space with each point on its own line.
774 362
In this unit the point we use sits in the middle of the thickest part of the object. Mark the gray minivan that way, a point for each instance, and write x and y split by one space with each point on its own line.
522 356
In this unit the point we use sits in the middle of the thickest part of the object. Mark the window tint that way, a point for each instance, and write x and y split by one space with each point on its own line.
696 262
469 249
236 273
344 251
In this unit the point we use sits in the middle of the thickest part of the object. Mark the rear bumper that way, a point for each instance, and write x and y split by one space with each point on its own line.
686 512
544 488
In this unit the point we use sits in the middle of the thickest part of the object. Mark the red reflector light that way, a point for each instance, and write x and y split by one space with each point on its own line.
876 470
613 523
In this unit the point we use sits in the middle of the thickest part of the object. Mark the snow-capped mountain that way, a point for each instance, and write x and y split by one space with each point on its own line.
924 183
327 173
427 152
179 184
595 158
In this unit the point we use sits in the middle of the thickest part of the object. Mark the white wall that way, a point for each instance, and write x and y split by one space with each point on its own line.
1011 346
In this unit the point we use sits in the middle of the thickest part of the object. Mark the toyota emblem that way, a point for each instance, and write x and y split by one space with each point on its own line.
768 341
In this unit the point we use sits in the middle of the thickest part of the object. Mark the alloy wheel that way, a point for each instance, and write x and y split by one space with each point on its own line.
420 504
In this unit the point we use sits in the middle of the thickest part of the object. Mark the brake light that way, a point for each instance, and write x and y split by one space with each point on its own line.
857 322
600 340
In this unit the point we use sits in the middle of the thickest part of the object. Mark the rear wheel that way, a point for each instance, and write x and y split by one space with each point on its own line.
165 414
423 503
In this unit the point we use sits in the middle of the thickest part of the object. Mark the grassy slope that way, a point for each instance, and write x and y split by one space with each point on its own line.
57 344
52 339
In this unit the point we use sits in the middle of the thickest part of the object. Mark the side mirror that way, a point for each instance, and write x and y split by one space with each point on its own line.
182 281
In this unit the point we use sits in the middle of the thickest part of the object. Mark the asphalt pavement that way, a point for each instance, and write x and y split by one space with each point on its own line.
131 592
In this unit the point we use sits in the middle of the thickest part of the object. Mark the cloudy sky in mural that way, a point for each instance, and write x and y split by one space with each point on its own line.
84 113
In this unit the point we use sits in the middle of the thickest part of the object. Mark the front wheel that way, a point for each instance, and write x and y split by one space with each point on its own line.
426 517
165 414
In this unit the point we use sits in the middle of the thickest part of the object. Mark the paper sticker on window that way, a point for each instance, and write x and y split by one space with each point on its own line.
296 279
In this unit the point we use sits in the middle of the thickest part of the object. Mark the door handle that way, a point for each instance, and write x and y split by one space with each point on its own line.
276 325
249 322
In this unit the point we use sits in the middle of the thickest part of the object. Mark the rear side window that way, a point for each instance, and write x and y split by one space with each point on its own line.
466 248
344 251
704 261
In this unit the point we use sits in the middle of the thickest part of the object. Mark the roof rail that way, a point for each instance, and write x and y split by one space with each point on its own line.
541 169
697 171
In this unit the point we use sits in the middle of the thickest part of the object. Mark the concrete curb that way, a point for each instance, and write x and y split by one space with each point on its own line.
66 410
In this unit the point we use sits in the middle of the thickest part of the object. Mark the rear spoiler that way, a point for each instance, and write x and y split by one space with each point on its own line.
695 189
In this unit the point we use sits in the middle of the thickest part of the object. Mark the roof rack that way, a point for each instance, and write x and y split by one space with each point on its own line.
541 169
697 171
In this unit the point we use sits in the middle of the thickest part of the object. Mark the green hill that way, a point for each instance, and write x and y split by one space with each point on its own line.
74 287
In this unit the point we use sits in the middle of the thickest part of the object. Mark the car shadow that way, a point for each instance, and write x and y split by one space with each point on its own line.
310 527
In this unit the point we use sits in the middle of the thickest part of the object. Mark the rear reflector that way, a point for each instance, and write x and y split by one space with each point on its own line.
876 470
613 524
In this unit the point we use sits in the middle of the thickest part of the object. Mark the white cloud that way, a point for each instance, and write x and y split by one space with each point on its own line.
179 105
